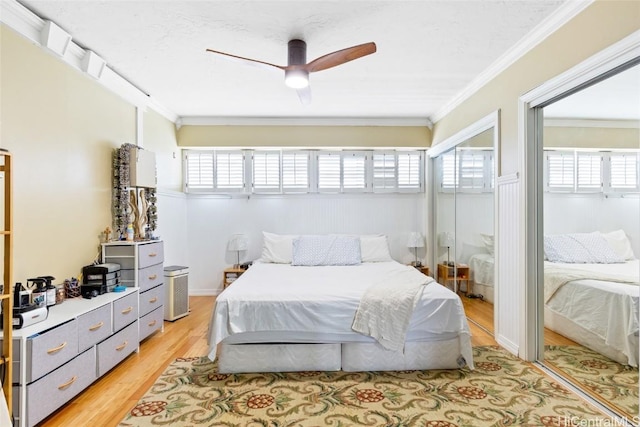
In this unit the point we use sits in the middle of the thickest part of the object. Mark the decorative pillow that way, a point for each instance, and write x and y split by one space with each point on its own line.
487 239
277 248
580 248
326 250
374 248
469 250
620 243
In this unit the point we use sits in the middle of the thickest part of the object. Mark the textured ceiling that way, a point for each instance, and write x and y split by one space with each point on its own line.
428 51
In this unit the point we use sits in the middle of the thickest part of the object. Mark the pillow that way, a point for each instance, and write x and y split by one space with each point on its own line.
276 248
374 248
580 248
469 250
487 239
620 243
326 250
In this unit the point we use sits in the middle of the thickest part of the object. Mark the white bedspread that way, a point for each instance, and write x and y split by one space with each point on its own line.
318 304
609 309
387 306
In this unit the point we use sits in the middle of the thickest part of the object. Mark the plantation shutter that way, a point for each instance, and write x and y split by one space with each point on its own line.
560 171
384 171
589 172
448 175
199 170
329 175
624 171
266 171
295 171
229 171
409 177
472 168
354 171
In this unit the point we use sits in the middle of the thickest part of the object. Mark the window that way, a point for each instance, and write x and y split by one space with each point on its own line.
466 170
266 171
591 171
302 171
623 169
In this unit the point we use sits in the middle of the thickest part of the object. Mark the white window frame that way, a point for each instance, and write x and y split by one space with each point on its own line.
271 157
607 171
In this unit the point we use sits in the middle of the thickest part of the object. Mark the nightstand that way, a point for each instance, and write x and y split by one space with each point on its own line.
231 274
422 269
455 274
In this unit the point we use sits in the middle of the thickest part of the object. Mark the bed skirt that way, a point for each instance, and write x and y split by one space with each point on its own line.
560 324
350 357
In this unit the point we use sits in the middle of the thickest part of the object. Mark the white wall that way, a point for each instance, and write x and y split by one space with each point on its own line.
172 226
581 213
212 219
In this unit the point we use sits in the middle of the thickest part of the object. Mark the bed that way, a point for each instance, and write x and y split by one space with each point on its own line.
594 303
280 316
482 267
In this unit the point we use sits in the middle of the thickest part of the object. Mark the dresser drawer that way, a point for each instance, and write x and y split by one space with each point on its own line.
151 299
125 311
150 254
52 391
151 322
48 350
94 326
150 277
113 350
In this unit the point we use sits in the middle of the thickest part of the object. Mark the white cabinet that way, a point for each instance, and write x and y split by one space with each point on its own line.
141 265
80 340
142 168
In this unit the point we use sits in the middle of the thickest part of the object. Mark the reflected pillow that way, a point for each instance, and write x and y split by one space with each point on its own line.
620 243
580 248
469 250
487 239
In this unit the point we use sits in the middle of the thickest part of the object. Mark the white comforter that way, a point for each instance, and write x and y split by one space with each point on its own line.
606 308
318 304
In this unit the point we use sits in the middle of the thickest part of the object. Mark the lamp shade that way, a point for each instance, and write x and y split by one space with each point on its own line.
445 239
415 240
238 242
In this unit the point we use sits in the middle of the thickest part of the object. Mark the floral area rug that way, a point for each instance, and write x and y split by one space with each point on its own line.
607 380
502 391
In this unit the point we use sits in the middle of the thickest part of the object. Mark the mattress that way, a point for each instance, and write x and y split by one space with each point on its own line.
482 267
608 310
293 304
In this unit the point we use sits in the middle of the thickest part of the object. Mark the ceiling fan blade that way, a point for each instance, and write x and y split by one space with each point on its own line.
305 95
340 57
247 61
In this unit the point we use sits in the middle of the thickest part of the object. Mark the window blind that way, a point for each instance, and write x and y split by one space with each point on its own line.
560 170
624 171
199 170
384 171
266 171
409 176
354 171
229 170
295 171
589 174
472 170
329 175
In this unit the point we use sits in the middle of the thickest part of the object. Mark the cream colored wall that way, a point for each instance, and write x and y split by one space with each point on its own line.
61 127
601 24
304 136
590 137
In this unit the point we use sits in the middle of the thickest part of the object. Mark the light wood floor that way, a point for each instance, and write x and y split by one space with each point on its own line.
107 401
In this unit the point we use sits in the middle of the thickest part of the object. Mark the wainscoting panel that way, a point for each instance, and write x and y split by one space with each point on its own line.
509 281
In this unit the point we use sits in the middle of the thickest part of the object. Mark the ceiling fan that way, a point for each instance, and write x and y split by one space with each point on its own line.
296 73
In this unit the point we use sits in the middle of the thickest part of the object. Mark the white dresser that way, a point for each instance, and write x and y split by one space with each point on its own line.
141 266
80 340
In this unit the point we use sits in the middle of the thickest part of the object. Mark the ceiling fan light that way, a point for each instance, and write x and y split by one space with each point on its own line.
296 79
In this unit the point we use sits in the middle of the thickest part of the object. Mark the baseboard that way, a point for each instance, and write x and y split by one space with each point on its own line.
204 292
507 345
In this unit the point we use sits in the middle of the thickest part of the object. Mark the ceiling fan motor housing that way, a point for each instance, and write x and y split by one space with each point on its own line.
297 77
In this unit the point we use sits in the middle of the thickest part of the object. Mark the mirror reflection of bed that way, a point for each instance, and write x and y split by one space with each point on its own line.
592 240
464 218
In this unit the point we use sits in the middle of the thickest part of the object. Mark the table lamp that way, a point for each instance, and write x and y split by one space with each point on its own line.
415 241
445 239
237 243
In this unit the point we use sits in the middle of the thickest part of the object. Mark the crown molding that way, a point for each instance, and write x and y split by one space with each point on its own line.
304 121
557 19
591 123
30 26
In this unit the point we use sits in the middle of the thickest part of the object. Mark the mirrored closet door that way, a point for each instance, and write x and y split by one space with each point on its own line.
591 233
463 194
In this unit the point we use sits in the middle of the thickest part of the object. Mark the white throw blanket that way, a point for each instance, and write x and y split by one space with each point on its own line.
555 277
386 307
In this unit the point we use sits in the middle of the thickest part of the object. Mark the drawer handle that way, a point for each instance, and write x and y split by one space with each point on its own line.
68 383
96 326
153 277
152 254
57 349
127 310
122 346
154 299
153 323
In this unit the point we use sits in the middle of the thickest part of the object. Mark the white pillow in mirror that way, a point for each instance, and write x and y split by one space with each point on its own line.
487 239
620 243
